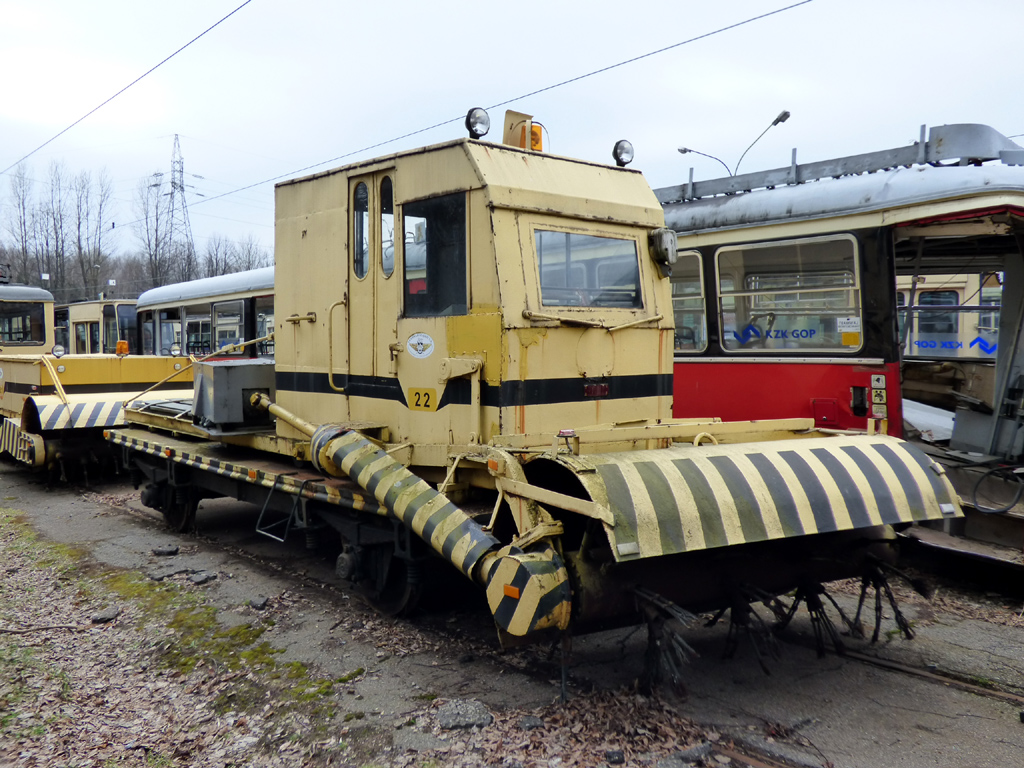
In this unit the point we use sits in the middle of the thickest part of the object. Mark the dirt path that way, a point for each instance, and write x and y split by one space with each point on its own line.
194 674
196 671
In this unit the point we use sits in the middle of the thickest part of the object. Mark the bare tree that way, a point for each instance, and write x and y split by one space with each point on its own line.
153 227
53 231
219 258
91 203
250 254
19 225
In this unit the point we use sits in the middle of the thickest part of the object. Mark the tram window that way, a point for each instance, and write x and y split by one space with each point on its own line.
794 296
387 227
170 331
22 322
265 324
361 230
62 328
435 256
228 323
109 330
587 270
148 340
197 330
688 303
937 322
126 324
989 320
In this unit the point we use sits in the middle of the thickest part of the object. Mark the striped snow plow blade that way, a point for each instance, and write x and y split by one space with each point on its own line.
79 415
689 498
48 413
26 448
9 429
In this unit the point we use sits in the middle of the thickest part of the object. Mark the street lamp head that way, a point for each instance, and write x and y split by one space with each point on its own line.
783 117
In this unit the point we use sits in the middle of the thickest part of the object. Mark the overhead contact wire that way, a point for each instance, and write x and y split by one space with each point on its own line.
508 101
133 82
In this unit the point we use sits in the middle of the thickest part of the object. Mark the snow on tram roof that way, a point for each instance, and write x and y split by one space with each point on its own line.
948 162
824 198
221 286
18 292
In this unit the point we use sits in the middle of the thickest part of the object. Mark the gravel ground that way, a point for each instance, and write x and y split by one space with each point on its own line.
108 666
192 674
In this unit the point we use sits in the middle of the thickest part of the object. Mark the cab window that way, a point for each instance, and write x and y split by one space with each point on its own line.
387 227
435 256
796 296
578 270
361 230
22 322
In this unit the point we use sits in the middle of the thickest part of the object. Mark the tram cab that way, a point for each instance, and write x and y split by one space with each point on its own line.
455 262
26 319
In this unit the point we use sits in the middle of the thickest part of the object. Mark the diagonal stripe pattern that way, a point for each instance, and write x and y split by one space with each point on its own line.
687 498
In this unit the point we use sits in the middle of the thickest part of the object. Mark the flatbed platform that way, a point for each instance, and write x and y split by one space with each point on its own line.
246 466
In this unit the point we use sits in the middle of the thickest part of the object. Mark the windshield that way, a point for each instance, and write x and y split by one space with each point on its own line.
587 270
22 322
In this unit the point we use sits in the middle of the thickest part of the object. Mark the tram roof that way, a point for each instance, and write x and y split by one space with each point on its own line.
221 286
850 195
24 293
947 163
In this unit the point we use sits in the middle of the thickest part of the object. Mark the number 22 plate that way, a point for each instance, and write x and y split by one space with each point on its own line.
422 399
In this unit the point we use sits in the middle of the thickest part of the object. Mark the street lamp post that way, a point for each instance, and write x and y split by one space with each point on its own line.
782 117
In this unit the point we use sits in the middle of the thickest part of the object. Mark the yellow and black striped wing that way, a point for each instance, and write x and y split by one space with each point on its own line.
688 498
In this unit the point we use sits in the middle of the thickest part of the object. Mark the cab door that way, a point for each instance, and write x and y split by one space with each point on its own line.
373 299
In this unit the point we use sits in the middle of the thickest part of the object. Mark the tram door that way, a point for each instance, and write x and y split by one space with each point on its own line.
374 291
87 338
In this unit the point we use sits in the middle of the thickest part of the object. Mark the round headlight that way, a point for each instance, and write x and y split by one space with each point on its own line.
58 350
175 349
478 122
622 152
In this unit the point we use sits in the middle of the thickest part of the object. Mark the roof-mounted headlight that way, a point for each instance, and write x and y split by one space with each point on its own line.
623 153
478 122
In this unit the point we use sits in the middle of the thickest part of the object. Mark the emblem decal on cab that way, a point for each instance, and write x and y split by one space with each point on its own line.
420 345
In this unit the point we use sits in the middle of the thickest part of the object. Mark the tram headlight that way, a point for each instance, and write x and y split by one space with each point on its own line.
175 349
58 350
623 153
478 122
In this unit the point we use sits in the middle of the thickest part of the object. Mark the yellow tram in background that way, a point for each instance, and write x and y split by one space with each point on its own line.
54 406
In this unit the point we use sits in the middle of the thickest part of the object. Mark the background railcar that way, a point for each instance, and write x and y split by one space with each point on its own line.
817 289
202 316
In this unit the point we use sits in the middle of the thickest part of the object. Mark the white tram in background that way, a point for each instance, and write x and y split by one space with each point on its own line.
202 316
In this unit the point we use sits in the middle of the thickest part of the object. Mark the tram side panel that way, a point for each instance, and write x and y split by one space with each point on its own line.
774 328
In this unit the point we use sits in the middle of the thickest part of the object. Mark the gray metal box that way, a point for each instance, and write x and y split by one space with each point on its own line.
222 392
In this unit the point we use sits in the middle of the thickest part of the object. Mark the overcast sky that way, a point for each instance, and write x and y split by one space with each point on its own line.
281 86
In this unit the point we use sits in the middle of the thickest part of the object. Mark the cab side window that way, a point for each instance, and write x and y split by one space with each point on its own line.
387 227
361 230
435 256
